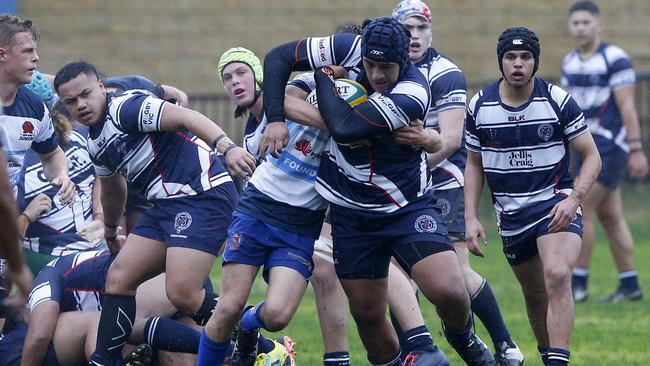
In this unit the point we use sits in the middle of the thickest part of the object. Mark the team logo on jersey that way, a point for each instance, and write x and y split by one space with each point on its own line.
28 132
426 224
183 221
545 131
304 147
233 241
444 206
120 146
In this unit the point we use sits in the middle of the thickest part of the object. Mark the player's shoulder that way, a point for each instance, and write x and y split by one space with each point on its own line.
28 104
487 94
612 53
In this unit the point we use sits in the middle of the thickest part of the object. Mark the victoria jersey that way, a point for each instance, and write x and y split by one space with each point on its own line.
524 151
448 90
26 124
385 176
74 281
157 164
281 191
591 82
55 232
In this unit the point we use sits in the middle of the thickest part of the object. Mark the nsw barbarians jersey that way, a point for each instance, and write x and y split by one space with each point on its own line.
26 124
55 232
591 83
524 151
281 190
157 164
448 91
75 281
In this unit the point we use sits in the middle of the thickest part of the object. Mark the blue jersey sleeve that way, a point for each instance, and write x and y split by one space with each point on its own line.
140 112
449 91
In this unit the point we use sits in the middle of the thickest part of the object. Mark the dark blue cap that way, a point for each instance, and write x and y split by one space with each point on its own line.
386 40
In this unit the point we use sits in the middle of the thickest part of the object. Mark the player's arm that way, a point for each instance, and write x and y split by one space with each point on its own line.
301 111
42 323
94 230
638 162
347 124
9 239
416 136
38 206
474 178
113 197
563 213
175 118
55 168
173 93
451 133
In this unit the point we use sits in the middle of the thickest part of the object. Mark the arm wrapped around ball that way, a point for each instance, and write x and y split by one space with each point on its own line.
346 124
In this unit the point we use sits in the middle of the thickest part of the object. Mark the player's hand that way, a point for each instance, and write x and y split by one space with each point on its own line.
416 136
274 139
115 243
562 214
92 231
340 72
66 189
40 205
23 278
637 165
240 163
473 231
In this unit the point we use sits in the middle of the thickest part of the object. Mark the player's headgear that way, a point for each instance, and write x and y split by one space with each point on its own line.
42 87
386 40
246 56
518 39
411 8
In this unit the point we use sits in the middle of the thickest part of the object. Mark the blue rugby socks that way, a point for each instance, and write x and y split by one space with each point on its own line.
251 319
115 326
486 308
169 335
210 352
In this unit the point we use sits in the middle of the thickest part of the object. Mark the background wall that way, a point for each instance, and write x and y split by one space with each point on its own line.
179 42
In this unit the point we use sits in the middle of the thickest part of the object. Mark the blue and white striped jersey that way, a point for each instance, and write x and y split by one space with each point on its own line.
591 82
157 164
283 193
385 176
74 281
524 150
26 124
448 90
55 232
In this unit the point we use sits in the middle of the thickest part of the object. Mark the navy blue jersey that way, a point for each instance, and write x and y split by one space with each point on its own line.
524 151
26 124
74 281
385 176
592 82
157 164
448 91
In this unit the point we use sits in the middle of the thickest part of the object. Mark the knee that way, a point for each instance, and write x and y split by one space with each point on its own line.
453 298
557 277
184 298
229 309
118 281
324 275
276 316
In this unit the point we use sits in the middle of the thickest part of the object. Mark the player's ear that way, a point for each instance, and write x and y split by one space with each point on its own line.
3 54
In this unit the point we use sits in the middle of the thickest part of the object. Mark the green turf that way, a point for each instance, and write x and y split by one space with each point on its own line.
605 334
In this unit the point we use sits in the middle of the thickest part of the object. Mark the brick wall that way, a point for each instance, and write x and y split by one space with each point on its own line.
178 42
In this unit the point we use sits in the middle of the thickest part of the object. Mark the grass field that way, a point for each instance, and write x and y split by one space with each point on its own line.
605 334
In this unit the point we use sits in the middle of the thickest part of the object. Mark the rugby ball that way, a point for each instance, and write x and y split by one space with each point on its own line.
349 90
